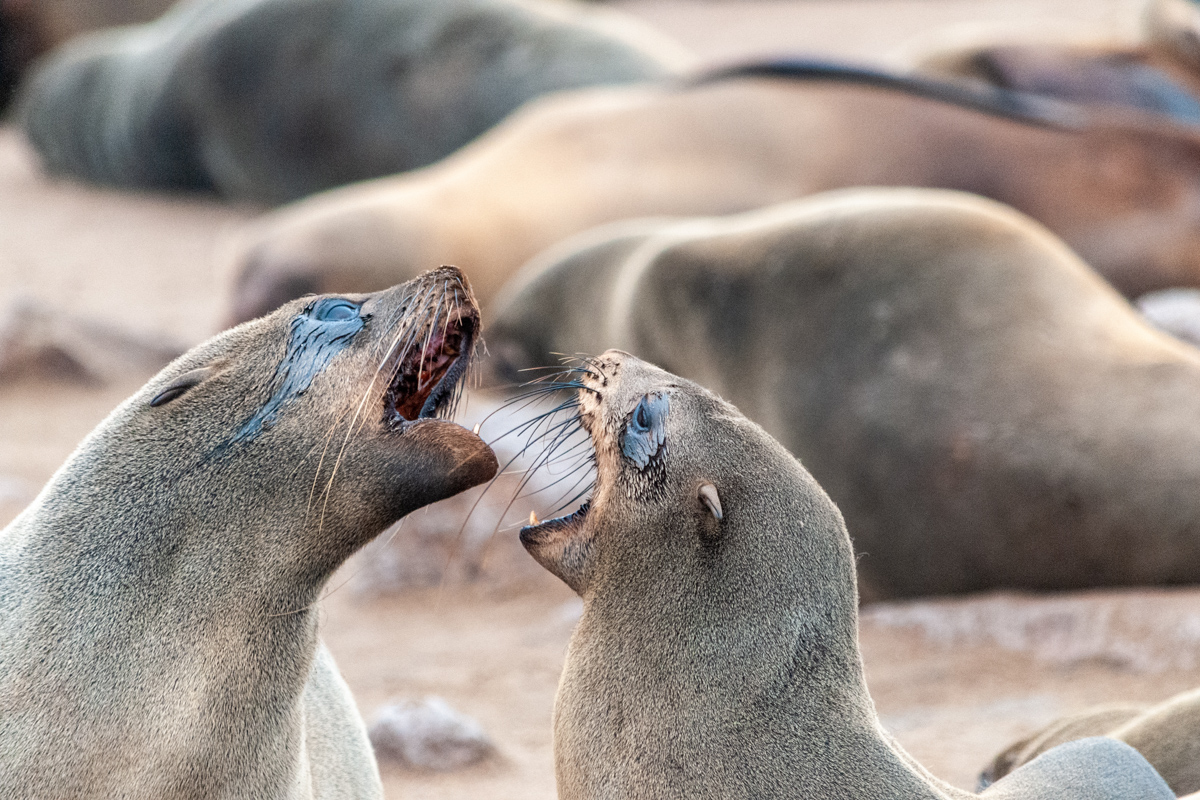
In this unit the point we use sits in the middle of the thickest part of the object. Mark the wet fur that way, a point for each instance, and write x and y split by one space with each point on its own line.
158 619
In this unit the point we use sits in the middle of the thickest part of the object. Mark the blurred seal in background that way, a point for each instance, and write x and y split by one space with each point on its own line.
983 408
271 100
1122 189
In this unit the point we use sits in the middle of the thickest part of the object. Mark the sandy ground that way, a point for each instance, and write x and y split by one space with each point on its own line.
955 680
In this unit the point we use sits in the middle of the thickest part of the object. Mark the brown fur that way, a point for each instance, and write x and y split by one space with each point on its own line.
983 408
1125 196
717 655
1088 72
158 600
1167 734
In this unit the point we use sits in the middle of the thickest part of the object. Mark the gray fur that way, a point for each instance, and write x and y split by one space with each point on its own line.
158 620
719 658
984 409
1166 734
271 100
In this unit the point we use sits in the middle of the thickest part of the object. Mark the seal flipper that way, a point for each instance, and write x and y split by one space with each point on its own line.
1097 768
1118 79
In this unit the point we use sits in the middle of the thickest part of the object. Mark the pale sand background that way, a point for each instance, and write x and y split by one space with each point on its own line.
150 263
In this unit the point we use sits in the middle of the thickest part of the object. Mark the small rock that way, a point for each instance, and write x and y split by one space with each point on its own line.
428 734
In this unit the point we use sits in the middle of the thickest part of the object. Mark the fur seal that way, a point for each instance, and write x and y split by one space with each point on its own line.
271 100
1122 192
984 409
1160 75
1167 734
30 28
717 655
158 621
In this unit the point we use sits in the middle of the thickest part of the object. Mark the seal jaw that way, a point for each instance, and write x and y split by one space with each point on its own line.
542 532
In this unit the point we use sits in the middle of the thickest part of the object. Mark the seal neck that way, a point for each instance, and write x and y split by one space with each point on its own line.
782 706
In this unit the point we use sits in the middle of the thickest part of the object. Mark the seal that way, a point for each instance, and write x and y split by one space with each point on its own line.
1165 733
271 100
1119 189
31 28
1160 75
717 655
984 409
158 620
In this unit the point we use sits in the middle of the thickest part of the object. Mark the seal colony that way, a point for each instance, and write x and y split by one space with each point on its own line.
158 628
1120 190
1167 734
717 654
271 100
985 411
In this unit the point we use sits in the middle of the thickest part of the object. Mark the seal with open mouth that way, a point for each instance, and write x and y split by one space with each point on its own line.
717 655
158 621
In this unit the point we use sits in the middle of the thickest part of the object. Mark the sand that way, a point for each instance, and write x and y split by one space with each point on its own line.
955 680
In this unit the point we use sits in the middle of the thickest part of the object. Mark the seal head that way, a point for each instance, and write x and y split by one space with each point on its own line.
158 621
717 653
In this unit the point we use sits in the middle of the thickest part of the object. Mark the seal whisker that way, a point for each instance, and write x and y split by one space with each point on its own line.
400 332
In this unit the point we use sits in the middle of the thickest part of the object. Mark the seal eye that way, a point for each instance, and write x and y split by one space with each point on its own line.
646 430
334 311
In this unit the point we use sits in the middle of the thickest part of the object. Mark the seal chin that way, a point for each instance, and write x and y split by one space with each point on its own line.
542 533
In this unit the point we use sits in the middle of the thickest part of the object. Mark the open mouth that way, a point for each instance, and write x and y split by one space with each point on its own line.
540 531
429 372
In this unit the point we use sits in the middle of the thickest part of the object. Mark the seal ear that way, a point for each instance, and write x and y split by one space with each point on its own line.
710 498
180 385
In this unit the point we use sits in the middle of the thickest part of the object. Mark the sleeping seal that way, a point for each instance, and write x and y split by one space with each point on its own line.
982 407
1123 192
30 28
1160 75
1167 734
271 100
717 655
158 620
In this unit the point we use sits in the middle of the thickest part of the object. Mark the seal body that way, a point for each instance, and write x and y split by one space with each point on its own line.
158 621
1122 192
984 409
1165 733
1160 74
271 100
30 28
717 654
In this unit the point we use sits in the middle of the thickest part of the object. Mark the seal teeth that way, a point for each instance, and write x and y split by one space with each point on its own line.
533 520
